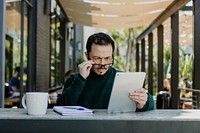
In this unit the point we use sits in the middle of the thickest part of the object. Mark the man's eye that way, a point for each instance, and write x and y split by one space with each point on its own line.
97 58
108 58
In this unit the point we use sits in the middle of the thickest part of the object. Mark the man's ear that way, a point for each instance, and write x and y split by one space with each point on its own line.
86 55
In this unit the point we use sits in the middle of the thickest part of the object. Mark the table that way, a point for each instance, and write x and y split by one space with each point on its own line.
11 102
156 121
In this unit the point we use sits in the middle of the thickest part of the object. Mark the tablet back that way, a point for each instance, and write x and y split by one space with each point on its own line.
124 83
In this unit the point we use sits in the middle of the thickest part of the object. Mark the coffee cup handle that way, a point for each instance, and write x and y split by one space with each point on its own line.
23 102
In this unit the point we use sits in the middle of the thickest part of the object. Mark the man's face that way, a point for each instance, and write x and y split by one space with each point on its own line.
102 57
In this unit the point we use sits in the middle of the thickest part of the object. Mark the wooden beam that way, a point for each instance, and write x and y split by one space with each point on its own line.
171 9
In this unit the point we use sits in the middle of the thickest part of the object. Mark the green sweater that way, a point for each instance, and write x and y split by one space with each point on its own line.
93 92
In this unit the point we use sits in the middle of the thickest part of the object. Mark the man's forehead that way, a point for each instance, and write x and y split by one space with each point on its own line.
96 54
101 47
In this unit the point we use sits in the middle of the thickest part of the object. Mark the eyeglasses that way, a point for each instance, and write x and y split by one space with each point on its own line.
99 66
97 62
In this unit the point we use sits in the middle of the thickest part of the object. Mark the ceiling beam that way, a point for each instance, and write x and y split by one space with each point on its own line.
171 9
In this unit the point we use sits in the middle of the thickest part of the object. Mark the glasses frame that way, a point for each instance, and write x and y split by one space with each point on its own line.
101 65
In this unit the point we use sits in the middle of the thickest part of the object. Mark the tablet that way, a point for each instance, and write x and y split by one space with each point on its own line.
124 83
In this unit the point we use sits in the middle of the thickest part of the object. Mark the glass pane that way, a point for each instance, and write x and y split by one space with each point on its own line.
9 58
13 38
25 58
56 37
13 32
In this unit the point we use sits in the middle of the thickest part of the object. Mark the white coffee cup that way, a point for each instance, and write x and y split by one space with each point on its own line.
35 103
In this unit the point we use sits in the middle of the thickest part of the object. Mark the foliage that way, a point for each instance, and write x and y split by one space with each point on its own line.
185 67
80 60
124 48
119 38
185 64
123 42
167 60
118 63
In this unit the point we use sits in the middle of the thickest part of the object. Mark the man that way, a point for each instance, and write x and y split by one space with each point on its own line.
91 87
14 84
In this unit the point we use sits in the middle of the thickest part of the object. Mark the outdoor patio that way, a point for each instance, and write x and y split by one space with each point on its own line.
166 22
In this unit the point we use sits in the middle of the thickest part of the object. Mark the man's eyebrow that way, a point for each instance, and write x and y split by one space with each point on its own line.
102 57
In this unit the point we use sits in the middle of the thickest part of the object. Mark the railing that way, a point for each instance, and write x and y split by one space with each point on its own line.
54 92
53 89
189 97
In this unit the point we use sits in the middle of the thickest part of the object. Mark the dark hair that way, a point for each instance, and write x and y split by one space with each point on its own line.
17 69
99 39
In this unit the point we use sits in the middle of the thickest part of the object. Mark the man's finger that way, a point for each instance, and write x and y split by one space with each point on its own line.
141 90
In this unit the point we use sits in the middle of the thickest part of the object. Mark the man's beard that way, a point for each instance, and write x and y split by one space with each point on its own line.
97 70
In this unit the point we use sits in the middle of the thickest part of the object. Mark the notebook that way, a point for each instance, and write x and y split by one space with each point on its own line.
72 110
124 83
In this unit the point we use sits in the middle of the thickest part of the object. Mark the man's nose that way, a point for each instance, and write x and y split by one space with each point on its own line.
102 61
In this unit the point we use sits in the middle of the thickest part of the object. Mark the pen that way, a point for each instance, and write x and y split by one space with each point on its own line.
78 108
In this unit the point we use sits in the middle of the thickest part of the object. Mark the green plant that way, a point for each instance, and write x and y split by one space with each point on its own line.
167 60
124 51
80 60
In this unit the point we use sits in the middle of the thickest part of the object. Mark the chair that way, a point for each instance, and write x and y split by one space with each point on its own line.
189 98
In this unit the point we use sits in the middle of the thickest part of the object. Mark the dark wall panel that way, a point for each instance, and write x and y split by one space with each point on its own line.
2 50
42 48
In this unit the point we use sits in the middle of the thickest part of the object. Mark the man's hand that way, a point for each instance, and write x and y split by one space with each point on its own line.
84 68
139 96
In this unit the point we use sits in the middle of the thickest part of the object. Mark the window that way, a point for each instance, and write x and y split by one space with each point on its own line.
55 57
15 32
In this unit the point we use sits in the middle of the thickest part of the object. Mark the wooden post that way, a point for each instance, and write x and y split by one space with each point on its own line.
174 59
143 55
150 64
196 41
160 72
137 58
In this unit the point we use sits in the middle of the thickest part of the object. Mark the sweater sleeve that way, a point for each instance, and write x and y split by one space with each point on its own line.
72 90
149 104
